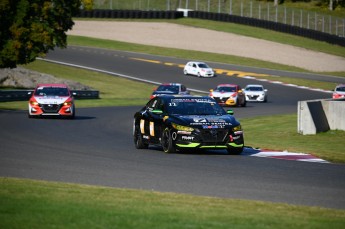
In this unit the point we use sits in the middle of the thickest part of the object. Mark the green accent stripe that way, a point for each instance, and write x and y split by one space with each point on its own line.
190 145
235 145
213 147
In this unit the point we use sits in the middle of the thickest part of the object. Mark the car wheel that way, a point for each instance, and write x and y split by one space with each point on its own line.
234 151
138 139
185 72
199 75
167 142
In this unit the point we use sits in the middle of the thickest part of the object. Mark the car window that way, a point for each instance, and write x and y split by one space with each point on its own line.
194 106
342 89
226 89
254 89
51 91
194 65
203 66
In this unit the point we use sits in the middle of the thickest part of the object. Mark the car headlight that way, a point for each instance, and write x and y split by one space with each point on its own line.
182 128
33 103
237 128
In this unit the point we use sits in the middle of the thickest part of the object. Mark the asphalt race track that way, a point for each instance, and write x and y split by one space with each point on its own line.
97 148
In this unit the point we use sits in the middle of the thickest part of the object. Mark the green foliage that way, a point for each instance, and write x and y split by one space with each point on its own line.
87 4
29 28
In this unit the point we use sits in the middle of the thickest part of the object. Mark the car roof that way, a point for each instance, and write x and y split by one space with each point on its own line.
196 62
254 85
227 85
170 84
52 85
169 96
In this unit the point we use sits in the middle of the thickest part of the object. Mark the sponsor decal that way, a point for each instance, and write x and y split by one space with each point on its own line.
210 127
197 120
142 126
146 137
152 128
184 132
238 132
187 138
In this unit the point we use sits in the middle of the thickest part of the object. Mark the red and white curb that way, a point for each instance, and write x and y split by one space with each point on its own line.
289 85
282 155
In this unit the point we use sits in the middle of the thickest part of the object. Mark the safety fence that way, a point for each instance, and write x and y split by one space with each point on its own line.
262 10
24 95
296 30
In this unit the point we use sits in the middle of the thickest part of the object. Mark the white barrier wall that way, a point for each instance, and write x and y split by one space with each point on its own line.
320 115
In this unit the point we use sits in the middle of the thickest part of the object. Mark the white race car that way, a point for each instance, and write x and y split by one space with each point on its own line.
199 69
255 92
51 99
339 91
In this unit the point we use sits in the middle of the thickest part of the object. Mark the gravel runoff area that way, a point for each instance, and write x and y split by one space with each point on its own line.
190 38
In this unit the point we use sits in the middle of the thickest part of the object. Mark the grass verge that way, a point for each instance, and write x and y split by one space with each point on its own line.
39 204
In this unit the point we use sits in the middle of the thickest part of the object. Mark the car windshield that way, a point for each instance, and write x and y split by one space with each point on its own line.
254 89
203 66
51 91
171 88
194 106
226 89
341 89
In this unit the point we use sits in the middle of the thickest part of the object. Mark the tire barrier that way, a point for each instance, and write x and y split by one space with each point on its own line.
279 27
24 95
130 14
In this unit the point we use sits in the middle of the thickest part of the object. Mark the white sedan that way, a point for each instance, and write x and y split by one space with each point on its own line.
199 69
256 92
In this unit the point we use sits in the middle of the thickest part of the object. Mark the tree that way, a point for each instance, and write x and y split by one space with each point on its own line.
30 28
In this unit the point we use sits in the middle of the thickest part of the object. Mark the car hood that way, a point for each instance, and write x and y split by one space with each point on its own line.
222 94
205 121
164 93
254 92
51 99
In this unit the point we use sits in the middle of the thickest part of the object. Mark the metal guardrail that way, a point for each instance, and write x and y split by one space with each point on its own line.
24 95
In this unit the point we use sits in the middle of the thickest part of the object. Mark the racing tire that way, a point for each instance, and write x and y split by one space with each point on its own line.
234 151
185 72
199 75
138 139
167 142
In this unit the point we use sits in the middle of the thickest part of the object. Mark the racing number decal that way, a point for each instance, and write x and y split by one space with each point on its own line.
152 129
142 126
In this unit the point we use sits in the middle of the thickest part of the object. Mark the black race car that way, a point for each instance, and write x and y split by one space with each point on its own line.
187 122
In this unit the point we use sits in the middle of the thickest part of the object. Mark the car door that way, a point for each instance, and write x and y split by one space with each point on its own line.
154 120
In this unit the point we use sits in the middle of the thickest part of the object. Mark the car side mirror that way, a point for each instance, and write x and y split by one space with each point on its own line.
266 90
230 112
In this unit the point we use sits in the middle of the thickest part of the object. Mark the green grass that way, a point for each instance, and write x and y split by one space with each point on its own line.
37 204
279 132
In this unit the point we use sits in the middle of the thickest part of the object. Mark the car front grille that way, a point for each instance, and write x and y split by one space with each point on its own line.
50 108
213 135
221 99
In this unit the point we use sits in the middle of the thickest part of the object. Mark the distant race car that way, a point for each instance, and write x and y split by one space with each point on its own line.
229 95
186 122
255 93
170 89
51 100
199 69
339 91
